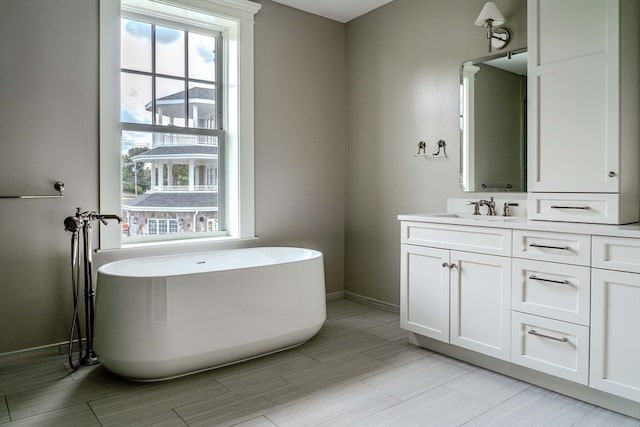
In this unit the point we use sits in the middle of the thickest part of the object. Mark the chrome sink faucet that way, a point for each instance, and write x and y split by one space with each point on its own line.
490 204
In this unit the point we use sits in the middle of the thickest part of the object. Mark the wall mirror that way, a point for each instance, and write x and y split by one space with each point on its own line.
493 125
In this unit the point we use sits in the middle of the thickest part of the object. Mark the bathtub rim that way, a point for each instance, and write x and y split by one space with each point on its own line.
103 269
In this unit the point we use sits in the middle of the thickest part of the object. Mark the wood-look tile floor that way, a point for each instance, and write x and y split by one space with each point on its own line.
359 370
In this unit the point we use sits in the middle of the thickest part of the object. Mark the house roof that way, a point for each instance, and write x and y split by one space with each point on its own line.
167 151
173 202
174 104
194 93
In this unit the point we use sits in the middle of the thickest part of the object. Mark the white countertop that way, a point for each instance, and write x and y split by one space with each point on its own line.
522 223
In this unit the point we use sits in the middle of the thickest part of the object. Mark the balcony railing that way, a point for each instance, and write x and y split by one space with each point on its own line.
183 188
179 139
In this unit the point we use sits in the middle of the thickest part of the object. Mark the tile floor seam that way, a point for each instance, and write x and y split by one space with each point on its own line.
6 405
398 400
491 405
266 415
88 403
470 420
595 408
178 415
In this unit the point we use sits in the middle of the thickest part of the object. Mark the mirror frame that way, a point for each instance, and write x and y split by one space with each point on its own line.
464 124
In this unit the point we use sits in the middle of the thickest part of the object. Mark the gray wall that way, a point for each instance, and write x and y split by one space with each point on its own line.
403 65
300 133
49 131
49 103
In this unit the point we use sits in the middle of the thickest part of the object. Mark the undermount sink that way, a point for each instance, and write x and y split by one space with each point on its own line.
496 218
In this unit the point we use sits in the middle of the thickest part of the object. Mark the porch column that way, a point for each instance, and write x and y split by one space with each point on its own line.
153 175
191 176
161 175
195 117
169 173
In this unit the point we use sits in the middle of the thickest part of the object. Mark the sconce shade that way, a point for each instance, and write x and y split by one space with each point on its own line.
489 11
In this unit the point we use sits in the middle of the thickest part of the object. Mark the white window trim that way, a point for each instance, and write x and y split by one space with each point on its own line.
237 22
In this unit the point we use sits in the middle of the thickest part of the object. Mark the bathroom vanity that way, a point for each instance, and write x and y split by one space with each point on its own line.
555 298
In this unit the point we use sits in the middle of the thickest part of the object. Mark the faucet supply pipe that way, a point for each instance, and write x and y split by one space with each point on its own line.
90 357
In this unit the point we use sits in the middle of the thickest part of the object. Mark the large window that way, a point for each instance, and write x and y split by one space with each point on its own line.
181 123
172 138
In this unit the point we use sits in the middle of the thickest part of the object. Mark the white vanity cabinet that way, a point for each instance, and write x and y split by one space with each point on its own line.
615 316
455 285
583 131
553 298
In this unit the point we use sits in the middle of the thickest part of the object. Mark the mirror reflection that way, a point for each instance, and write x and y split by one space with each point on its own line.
493 112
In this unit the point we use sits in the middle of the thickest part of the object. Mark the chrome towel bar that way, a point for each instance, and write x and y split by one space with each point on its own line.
59 187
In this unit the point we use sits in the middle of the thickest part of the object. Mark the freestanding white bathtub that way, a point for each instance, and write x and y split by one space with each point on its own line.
163 317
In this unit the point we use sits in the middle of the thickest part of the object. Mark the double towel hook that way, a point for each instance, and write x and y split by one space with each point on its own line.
422 149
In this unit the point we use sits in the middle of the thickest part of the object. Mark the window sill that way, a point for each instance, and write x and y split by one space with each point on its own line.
170 247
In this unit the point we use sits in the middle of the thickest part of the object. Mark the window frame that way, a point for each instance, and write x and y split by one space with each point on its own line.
234 18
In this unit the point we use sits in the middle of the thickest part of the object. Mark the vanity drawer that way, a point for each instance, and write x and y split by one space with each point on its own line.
616 253
593 208
550 346
487 240
555 247
559 291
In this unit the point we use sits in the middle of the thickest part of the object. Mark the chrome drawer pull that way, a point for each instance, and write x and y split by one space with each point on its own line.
560 282
533 332
583 208
535 245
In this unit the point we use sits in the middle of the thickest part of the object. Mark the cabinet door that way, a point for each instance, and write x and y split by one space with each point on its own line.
615 320
424 291
574 96
481 303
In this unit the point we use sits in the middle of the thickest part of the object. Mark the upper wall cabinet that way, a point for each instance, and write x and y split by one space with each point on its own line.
584 98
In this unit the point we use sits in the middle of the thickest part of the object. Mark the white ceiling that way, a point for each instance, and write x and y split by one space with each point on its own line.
338 10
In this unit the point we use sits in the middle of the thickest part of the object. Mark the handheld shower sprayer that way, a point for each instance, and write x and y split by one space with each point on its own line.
73 224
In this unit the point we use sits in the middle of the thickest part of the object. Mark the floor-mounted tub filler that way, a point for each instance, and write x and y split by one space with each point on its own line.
163 317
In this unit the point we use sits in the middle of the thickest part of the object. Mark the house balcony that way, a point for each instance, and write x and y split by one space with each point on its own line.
183 188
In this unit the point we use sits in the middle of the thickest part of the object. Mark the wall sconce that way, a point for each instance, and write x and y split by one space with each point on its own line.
490 16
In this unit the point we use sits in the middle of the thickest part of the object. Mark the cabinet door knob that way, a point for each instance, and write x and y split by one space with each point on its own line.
445 265
611 174
453 266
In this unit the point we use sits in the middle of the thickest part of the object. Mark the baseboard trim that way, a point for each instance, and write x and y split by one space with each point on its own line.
55 348
335 296
371 302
